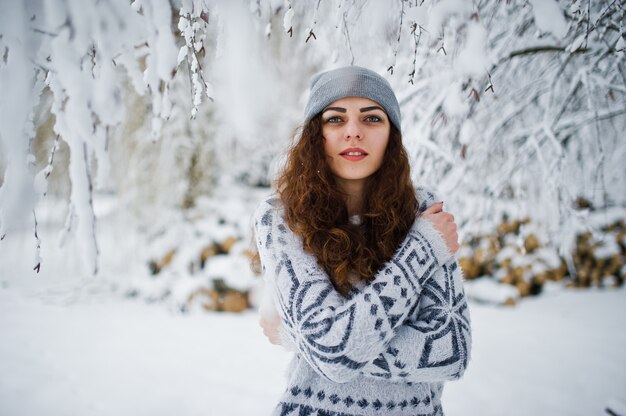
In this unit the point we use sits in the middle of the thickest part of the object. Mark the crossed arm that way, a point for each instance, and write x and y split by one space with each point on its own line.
389 329
434 343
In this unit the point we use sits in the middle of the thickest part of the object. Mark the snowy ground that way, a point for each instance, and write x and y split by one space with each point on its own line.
72 345
558 354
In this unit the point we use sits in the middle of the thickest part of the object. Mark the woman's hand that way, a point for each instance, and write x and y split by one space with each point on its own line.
271 329
444 223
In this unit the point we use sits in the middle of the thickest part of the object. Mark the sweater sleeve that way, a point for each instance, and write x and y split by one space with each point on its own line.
434 344
336 335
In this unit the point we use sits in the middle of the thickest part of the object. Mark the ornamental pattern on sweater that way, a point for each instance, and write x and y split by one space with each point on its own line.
387 347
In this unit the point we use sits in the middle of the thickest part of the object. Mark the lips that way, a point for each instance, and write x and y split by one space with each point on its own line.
353 154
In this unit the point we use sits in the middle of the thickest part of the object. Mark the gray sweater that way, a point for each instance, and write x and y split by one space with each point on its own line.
386 348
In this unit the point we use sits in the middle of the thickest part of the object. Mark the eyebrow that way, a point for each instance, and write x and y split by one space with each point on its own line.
362 110
339 109
374 107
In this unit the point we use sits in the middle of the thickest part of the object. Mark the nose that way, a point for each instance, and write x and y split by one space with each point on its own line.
353 131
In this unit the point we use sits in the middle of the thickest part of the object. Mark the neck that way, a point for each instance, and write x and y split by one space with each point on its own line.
354 195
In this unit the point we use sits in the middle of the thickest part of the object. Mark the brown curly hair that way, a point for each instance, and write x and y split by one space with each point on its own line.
315 208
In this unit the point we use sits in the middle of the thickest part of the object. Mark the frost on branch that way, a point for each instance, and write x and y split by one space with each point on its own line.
193 24
87 52
507 106
287 20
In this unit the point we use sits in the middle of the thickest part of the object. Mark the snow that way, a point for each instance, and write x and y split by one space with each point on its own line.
72 344
258 87
487 290
560 354
608 248
456 104
124 358
17 195
549 17
468 131
472 59
287 19
182 54
617 407
75 345
443 10
549 256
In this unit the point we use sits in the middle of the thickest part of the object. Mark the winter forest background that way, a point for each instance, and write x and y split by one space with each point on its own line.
136 138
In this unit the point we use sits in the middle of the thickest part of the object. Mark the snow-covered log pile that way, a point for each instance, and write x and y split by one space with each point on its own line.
213 293
200 260
220 298
204 262
515 255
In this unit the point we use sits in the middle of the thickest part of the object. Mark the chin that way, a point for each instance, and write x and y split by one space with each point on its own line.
352 176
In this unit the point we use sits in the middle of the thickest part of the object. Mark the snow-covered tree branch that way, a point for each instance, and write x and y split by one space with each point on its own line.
513 106
83 53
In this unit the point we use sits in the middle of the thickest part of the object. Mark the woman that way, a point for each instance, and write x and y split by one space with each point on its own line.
359 266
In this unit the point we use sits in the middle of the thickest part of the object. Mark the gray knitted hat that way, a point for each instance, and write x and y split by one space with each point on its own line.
351 81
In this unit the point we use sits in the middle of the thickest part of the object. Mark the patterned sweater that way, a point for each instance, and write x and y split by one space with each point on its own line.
387 347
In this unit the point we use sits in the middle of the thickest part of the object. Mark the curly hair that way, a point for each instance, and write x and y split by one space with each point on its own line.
315 208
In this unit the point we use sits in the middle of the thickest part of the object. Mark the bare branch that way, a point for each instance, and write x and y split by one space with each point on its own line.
490 86
602 15
38 253
416 38
568 98
44 32
575 122
347 35
541 49
49 167
311 34
588 21
395 52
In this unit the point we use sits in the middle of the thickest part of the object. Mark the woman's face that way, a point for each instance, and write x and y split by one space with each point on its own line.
356 133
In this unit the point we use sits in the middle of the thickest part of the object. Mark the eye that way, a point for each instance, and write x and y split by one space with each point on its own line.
374 119
333 119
